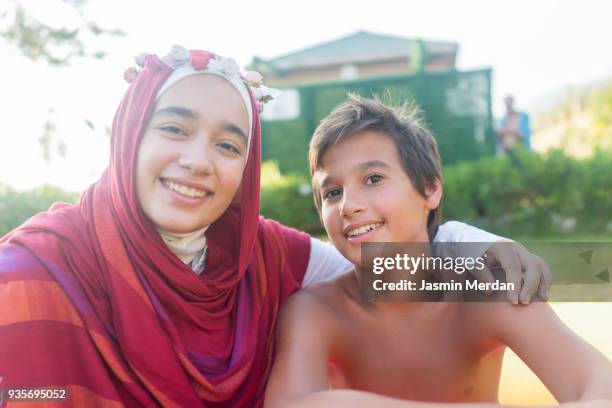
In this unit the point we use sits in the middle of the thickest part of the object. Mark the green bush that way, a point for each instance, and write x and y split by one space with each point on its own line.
288 199
522 194
17 206
536 195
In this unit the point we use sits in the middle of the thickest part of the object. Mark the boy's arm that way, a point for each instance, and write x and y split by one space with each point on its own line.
326 262
513 257
572 369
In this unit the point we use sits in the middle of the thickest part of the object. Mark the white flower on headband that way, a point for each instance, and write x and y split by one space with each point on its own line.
264 94
229 66
177 56
253 78
130 74
140 59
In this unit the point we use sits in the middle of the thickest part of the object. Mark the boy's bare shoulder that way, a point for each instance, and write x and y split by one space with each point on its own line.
326 295
322 304
500 317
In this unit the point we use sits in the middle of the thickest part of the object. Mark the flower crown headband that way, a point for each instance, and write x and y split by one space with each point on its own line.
184 62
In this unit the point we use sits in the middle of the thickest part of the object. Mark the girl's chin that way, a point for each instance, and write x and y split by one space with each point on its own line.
174 226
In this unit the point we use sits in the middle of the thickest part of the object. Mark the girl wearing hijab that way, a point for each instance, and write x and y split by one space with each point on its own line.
163 284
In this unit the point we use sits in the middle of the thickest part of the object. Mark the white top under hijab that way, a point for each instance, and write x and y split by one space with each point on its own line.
185 246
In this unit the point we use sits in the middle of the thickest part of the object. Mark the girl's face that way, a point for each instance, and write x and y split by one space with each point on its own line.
193 153
366 195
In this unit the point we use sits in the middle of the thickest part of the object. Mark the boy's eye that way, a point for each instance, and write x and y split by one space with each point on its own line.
229 147
373 179
174 130
333 193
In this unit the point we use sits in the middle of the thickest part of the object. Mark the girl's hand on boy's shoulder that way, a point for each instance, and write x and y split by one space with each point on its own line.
514 259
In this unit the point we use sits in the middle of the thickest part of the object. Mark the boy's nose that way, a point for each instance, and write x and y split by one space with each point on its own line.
351 204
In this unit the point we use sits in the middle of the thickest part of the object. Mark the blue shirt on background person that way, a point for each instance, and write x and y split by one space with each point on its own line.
515 129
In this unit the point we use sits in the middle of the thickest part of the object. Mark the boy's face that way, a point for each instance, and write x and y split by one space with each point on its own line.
366 195
193 153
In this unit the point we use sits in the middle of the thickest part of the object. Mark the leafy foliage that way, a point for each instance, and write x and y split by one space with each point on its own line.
288 199
523 194
17 206
55 45
581 122
536 195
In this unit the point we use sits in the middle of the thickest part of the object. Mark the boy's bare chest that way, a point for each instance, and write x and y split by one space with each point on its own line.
427 358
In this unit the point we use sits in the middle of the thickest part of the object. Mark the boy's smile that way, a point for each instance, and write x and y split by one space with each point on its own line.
366 195
359 231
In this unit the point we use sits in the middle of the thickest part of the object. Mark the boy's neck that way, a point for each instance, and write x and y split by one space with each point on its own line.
405 255
387 306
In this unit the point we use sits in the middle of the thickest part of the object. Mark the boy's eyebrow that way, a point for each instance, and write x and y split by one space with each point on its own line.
326 180
372 163
177 110
361 166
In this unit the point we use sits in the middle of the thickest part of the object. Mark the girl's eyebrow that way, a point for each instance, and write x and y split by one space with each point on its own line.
230 127
189 114
177 110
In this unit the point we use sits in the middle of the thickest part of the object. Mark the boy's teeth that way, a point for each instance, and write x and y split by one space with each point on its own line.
184 190
363 230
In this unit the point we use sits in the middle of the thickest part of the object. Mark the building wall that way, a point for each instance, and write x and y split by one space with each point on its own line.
440 63
333 73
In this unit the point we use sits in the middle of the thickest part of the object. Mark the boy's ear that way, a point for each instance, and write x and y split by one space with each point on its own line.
434 194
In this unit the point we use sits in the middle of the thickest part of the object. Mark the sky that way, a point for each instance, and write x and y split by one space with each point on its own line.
536 48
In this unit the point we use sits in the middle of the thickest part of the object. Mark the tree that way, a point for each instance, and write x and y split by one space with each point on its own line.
55 45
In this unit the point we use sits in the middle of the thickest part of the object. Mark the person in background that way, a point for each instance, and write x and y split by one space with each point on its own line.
515 130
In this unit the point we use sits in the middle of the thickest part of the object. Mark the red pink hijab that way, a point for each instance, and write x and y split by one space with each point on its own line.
93 301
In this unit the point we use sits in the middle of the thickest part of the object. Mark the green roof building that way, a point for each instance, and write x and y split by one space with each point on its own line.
357 56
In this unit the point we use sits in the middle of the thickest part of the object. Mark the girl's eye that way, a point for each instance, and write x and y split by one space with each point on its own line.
229 147
333 193
374 178
174 130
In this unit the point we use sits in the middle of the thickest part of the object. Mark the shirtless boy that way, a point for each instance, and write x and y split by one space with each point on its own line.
376 168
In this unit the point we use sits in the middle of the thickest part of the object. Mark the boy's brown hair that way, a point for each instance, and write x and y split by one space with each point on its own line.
416 146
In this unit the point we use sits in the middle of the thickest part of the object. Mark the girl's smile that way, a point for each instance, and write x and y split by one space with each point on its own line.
186 192
192 156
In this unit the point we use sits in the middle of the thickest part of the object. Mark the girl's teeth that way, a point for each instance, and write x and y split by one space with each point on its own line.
186 191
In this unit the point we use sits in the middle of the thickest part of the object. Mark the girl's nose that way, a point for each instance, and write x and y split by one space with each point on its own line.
197 160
